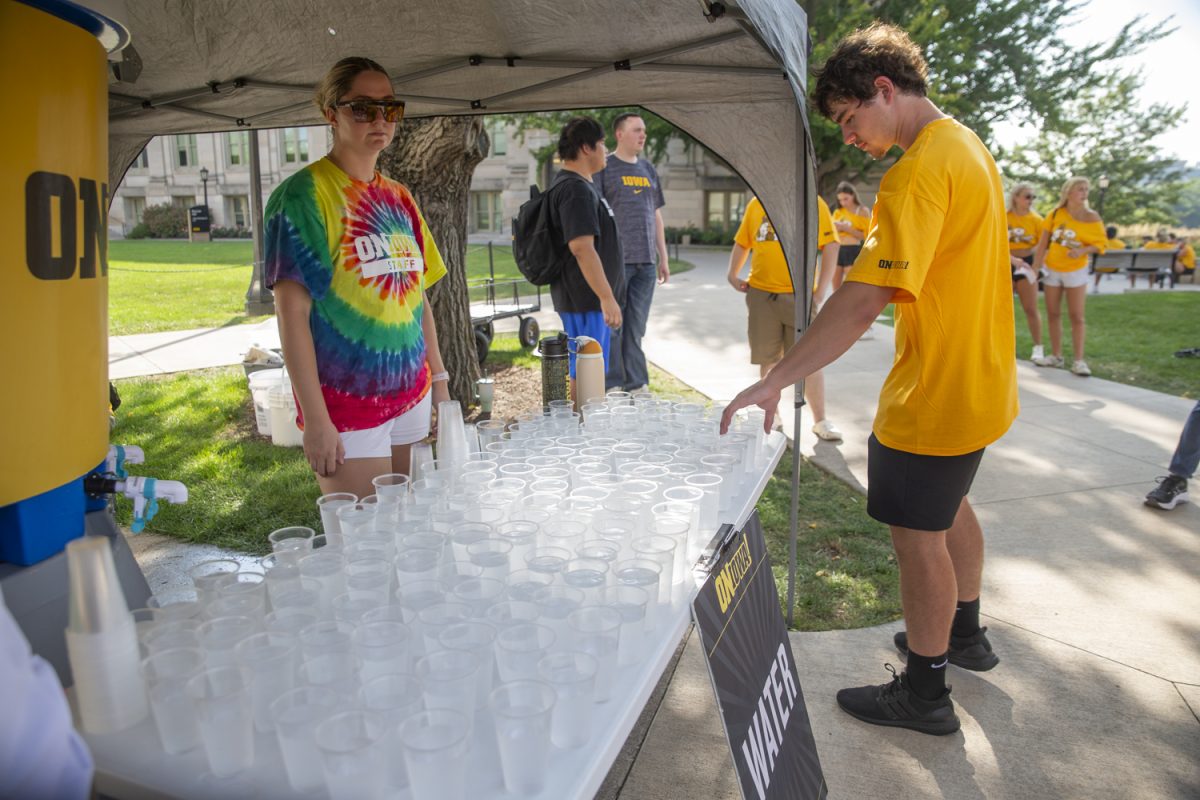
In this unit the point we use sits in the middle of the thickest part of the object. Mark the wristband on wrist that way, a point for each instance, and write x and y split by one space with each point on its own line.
439 376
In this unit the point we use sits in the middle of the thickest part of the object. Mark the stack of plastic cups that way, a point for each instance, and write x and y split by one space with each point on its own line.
451 438
102 642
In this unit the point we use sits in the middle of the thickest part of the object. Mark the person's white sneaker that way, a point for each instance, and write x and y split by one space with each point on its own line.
1081 368
827 431
1049 361
1038 352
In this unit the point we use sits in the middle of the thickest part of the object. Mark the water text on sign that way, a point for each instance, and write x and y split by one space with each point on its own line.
764 739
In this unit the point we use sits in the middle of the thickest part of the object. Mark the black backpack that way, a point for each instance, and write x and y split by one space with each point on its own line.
538 246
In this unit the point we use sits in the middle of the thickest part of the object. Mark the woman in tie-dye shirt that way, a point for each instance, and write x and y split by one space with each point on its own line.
350 258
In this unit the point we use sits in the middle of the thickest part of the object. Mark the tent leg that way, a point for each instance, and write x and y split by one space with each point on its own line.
795 513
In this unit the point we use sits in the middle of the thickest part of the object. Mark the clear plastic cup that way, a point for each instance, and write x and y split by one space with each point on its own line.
565 533
550 560
218 637
710 484
224 716
493 556
394 696
479 593
645 574
660 549
305 593
525 583
269 662
523 712
435 749
630 602
336 671
245 584
465 534
414 597
282 572
382 648
167 673
208 575
573 676
424 540
556 604
432 620
511 612
295 537
352 755
328 569
589 575
450 678
328 505
369 576
519 649
349 607
172 634
596 630
290 619
237 605
326 636
452 573
180 603
477 638
393 485
417 565
296 715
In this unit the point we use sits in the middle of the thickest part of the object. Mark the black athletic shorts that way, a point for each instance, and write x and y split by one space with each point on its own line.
915 491
847 253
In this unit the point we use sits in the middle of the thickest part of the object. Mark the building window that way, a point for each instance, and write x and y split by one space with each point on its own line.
295 145
722 210
185 150
239 211
498 135
141 162
183 200
238 148
135 211
486 209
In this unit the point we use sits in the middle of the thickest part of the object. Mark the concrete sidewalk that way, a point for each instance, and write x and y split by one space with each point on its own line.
1090 597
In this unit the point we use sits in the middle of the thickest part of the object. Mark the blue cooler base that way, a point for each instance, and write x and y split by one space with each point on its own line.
33 529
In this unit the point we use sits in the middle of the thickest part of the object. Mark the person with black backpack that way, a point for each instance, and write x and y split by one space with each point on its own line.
589 285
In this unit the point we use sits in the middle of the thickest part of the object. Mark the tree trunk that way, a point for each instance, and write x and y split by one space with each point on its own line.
435 158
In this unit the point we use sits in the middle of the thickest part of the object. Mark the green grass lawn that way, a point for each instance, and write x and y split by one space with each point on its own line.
159 285
198 427
1131 338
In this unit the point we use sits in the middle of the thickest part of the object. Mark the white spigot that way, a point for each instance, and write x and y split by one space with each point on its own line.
145 494
121 454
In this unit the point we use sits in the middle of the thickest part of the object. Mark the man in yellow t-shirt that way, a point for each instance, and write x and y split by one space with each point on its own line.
770 302
937 248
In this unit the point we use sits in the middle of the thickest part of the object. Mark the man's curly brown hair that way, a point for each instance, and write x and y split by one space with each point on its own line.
862 56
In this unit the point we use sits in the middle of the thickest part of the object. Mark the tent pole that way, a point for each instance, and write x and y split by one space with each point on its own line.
258 299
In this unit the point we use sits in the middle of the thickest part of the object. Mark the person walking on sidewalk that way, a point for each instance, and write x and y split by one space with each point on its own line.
630 185
350 259
1071 233
938 249
771 302
1172 489
1024 228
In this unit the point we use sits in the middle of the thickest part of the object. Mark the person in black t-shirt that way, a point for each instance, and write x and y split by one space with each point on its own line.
588 293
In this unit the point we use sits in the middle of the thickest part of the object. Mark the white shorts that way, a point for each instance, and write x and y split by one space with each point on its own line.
411 426
1067 280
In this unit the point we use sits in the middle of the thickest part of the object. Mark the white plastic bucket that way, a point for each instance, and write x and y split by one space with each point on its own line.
260 382
283 417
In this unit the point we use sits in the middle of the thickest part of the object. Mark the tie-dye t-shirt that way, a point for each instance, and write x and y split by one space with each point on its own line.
365 254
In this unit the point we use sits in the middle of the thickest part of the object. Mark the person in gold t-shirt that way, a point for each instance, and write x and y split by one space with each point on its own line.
937 248
1071 233
851 219
771 303
1024 227
1113 243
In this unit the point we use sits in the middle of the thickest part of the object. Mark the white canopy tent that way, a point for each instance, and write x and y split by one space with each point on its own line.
731 76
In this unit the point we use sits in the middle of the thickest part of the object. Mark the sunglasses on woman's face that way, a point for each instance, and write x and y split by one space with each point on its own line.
1029 196
367 110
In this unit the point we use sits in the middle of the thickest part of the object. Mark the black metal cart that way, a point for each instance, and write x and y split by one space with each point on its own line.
492 300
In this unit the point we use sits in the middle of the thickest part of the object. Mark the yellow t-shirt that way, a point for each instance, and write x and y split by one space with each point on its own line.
1154 244
938 235
859 222
768 267
1024 230
1068 233
1187 257
1116 244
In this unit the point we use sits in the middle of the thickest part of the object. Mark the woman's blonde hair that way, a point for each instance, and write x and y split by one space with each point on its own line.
1069 186
1015 192
339 79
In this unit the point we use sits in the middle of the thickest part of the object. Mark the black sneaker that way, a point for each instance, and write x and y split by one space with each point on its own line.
896 705
1170 492
972 652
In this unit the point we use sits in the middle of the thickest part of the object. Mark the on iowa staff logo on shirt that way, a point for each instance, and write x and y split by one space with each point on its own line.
886 264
